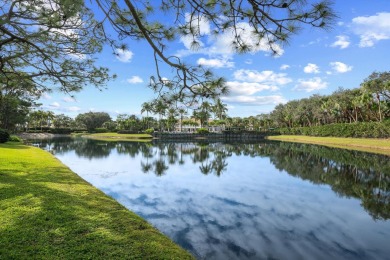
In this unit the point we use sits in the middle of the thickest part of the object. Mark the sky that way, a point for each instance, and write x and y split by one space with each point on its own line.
314 62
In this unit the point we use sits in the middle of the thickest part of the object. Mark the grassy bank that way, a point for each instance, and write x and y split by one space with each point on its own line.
48 212
381 146
120 137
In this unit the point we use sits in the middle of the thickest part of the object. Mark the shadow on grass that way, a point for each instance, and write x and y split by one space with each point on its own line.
13 145
58 215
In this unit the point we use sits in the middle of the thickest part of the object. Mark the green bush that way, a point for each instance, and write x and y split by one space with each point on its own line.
358 130
100 130
14 138
202 131
4 136
79 130
61 131
149 131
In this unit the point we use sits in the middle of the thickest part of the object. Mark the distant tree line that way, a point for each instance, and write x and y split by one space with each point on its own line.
370 102
362 111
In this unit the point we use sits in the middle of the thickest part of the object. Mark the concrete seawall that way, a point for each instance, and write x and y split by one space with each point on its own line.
210 136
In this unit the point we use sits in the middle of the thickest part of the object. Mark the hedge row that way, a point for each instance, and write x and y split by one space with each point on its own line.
361 129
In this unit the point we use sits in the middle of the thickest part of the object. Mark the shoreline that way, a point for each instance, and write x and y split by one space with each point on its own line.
370 145
26 135
48 211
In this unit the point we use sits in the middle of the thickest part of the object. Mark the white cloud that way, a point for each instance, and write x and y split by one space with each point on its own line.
317 41
340 67
199 26
265 77
222 44
135 80
248 88
284 67
216 63
255 100
311 68
124 55
68 99
342 42
55 104
249 82
73 109
372 29
309 85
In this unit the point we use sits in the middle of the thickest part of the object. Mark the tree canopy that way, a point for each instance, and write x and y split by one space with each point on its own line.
53 41
250 25
50 43
93 120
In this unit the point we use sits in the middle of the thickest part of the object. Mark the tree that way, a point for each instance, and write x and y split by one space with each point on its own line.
220 109
93 120
160 108
171 119
146 107
378 83
50 43
62 121
17 97
38 118
202 113
251 25
181 112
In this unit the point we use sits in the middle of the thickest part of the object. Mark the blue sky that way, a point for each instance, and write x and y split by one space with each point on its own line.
314 62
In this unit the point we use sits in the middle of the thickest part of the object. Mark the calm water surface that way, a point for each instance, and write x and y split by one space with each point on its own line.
265 200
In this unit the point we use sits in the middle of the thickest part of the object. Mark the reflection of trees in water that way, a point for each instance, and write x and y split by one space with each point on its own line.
83 147
349 173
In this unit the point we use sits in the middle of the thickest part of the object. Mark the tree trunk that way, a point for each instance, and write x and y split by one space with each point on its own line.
379 107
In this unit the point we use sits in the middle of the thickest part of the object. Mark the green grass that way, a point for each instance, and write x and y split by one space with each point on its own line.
381 146
48 212
120 137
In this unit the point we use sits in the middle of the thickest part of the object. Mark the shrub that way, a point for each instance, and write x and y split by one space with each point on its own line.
360 130
4 136
149 131
202 131
14 138
61 131
100 130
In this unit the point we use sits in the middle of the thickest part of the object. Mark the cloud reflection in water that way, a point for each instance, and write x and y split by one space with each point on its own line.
250 210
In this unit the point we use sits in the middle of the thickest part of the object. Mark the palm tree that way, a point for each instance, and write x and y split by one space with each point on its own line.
146 107
202 113
49 117
171 120
159 107
182 112
220 109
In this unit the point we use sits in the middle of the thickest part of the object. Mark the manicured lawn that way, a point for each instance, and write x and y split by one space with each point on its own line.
120 137
48 212
381 146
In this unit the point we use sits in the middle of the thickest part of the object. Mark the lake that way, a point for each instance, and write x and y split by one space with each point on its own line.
262 200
